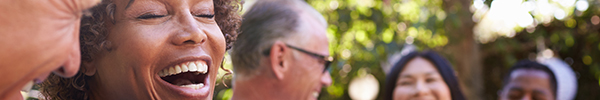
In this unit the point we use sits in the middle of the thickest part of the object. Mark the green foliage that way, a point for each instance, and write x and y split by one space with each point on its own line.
364 32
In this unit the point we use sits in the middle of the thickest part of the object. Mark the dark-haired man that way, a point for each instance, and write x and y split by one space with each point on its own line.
528 80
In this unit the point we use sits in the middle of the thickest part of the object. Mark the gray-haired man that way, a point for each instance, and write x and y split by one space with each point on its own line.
282 52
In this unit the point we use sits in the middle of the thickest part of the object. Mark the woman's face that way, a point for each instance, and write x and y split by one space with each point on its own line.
159 49
420 80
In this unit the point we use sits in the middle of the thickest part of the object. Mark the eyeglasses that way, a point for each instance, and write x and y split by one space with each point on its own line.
326 59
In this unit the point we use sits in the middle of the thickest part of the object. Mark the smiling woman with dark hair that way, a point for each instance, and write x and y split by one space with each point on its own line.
150 49
424 75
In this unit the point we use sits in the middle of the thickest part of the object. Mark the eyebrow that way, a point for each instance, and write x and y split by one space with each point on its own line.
406 76
129 3
539 92
410 76
516 89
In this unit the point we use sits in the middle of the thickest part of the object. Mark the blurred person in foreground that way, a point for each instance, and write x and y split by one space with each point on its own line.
38 37
282 52
529 80
150 49
422 76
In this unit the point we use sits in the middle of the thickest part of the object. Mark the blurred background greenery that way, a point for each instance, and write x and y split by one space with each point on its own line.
481 38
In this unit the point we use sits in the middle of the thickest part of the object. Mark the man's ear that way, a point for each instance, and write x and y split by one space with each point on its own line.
277 59
88 68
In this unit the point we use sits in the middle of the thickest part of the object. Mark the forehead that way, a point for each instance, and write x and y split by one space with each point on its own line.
529 74
129 3
530 80
315 31
418 65
312 25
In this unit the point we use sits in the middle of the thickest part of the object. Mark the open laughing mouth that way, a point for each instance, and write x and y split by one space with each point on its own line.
191 75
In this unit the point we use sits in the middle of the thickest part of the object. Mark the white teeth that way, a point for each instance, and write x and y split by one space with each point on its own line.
162 73
202 67
177 69
198 67
316 94
192 67
172 71
194 86
184 68
166 72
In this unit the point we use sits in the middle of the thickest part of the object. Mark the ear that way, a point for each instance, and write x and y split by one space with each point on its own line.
110 11
87 68
277 59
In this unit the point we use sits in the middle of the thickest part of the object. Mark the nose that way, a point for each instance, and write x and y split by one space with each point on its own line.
71 66
326 79
527 97
422 89
190 32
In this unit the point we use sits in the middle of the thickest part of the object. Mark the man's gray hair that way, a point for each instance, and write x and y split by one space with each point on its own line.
266 22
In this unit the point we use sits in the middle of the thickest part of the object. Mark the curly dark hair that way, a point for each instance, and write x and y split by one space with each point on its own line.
92 40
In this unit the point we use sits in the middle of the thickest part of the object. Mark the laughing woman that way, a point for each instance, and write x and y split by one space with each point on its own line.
150 49
422 76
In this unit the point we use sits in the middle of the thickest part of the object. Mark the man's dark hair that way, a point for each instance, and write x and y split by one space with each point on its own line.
531 65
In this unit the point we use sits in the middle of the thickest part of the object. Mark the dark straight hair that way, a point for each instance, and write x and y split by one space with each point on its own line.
441 64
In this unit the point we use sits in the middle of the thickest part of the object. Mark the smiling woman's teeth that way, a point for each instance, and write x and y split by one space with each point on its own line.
194 86
198 67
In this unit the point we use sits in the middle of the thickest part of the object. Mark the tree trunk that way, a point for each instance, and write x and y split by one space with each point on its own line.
462 49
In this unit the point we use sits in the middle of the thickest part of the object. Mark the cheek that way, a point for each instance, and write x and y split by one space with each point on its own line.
216 45
441 91
308 69
401 93
133 48
138 41
214 70
309 80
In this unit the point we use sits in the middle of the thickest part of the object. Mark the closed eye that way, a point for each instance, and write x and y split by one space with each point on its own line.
150 16
209 16
429 80
404 83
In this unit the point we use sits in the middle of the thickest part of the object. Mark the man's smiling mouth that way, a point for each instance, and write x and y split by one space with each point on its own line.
187 74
